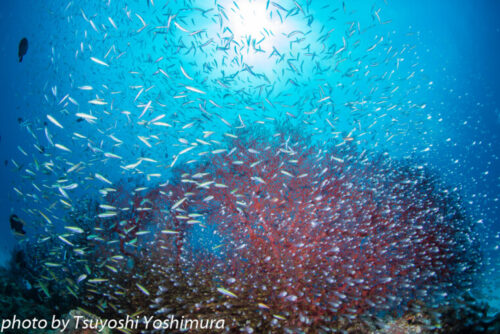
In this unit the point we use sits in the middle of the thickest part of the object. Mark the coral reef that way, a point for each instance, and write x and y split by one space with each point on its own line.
301 236
270 235
20 292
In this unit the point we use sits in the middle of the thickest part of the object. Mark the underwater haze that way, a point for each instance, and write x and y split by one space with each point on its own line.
280 166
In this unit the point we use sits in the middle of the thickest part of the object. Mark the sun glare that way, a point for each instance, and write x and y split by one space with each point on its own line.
256 27
250 18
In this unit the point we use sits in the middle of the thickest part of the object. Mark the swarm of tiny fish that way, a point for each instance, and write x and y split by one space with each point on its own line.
304 236
276 233
230 159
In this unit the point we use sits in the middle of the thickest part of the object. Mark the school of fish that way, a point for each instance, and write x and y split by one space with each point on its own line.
231 156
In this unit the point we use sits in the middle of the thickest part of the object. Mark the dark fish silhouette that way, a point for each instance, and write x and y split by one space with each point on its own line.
17 224
23 48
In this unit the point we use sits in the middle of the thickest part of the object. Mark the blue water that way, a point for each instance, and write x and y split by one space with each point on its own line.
451 46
